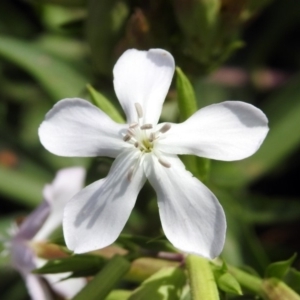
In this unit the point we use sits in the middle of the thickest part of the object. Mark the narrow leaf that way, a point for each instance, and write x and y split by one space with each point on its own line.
104 104
103 283
187 104
279 269
58 78
89 264
165 284
229 284
22 188
118 295
185 96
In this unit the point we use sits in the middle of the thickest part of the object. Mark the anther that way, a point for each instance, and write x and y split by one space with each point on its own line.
126 138
139 110
130 132
133 125
130 173
152 137
165 128
146 126
136 144
164 163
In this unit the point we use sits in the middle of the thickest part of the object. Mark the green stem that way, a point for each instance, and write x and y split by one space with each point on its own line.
202 282
250 282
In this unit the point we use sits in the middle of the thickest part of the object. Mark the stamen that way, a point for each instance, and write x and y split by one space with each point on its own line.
136 144
165 128
133 125
126 138
151 137
130 173
130 132
139 110
164 163
146 126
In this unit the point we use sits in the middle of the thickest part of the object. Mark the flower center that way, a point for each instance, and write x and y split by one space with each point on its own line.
144 138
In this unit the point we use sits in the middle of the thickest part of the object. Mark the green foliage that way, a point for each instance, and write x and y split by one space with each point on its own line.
279 269
105 105
58 78
105 280
166 284
79 265
51 49
187 105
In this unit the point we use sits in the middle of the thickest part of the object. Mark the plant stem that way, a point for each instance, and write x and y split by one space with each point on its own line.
202 282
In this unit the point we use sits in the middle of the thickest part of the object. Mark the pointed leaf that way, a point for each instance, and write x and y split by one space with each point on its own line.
89 264
185 96
293 279
105 105
103 283
279 269
187 105
165 284
229 284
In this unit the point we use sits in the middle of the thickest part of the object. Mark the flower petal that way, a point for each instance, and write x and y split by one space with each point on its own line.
94 217
191 216
75 127
143 77
33 223
230 130
37 289
22 256
65 288
66 184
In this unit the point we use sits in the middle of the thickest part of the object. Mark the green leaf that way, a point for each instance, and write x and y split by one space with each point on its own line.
21 187
103 283
57 77
104 25
134 242
279 269
105 105
118 295
186 98
229 284
225 281
85 264
164 285
187 104
293 279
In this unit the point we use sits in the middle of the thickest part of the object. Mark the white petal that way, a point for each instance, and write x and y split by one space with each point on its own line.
143 77
191 216
230 130
34 222
94 217
37 289
66 184
75 127
66 288
22 256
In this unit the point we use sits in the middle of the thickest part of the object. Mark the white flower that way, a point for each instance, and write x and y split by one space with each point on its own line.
37 227
191 216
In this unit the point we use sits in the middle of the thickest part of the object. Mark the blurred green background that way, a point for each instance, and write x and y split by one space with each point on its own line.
230 50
